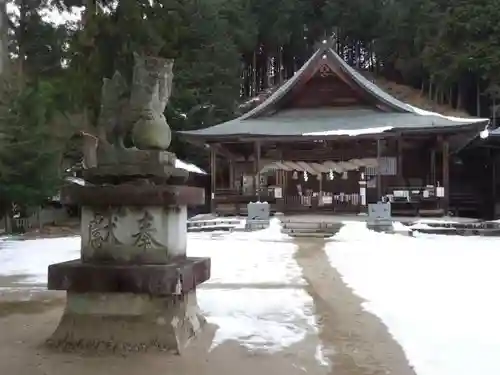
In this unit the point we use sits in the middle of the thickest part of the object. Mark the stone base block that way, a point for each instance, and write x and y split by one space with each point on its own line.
382 226
121 322
179 277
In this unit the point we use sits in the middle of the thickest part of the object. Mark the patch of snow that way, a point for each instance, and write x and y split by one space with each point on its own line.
271 233
436 294
351 132
259 319
75 180
397 226
418 226
247 257
31 258
357 231
188 167
424 112
436 221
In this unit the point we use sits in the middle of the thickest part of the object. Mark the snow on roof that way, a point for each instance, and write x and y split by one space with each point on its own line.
188 167
351 132
75 180
424 112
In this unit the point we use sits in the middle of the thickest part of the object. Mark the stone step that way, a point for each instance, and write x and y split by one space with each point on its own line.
306 230
211 228
212 222
256 224
310 235
312 225
454 225
460 231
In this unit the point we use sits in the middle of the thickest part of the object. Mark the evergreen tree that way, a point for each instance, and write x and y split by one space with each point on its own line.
31 144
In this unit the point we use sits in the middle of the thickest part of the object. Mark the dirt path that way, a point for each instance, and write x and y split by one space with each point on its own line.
25 325
20 353
356 342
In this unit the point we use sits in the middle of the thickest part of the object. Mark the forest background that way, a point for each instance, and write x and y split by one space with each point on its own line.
55 53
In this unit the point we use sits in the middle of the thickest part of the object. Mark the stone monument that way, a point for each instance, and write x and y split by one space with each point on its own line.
133 288
258 217
379 217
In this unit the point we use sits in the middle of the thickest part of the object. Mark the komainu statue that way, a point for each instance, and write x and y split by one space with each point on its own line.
136 113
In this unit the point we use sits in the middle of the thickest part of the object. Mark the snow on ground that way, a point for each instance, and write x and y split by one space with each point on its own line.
255 294
31 258
264 305
270 319
438 295
260 257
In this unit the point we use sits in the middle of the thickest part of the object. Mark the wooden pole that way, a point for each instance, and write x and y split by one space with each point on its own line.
379 176
446 174
493 160
213 178
257 169
400 161
433 167
231 174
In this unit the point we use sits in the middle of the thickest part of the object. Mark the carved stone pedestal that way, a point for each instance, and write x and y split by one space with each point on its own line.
127 322
128 307
133 288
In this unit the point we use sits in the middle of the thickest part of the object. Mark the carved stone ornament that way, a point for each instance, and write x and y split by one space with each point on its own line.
136 112
101 230
144 238
132 234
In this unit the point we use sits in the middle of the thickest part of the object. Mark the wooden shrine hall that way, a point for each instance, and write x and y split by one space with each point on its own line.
330 140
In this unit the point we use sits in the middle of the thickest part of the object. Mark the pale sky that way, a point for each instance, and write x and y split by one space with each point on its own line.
54 16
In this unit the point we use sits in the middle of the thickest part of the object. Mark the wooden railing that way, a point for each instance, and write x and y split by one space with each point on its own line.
231 202
36 220
345 203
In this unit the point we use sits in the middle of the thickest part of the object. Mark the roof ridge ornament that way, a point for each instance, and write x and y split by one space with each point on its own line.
325 43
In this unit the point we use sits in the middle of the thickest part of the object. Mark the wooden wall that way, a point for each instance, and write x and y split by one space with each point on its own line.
325 89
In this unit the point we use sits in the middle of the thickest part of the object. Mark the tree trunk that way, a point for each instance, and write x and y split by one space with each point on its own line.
370 57
494 112
280 64
478 99
459 96
254 74
20 35
358 54
431 88
436 93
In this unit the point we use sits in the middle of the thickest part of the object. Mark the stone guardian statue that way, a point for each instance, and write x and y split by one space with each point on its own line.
150 91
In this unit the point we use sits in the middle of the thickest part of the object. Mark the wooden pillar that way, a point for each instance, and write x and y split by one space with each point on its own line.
257 169
231 174
379 176
493 160
433 167
213 178
446 174
400 161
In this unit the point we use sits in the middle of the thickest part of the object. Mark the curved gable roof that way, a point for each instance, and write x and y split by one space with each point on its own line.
264 120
